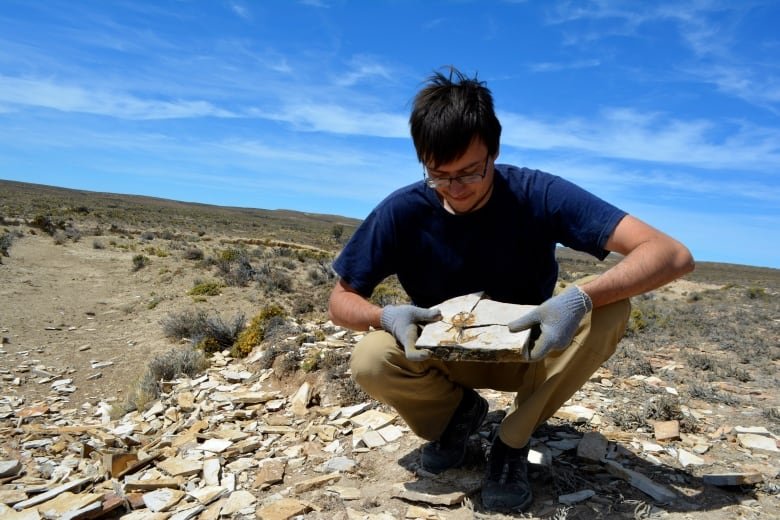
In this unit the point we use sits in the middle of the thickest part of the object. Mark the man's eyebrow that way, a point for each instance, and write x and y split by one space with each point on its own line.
462 170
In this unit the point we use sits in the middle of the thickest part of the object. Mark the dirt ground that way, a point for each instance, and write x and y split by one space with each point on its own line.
66 309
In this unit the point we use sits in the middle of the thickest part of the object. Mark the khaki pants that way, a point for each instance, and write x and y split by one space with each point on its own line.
426 393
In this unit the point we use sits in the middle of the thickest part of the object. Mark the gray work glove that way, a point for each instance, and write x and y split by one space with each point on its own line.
401 321
558 318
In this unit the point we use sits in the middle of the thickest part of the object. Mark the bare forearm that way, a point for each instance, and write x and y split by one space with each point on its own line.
351 310
649 266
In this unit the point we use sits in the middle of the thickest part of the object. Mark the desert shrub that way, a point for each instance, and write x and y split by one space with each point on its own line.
337 231
6 239
754 293
148 235
388 294
167 235
321 274
139 262
59 237
288 264
164 367
156 251
45 224
257 330
303 305
240 274
231 254
186 324
205 289
97 244
700 361
193 253
72 233
276 280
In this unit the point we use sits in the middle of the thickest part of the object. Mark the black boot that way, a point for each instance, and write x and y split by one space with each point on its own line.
450 450
506 486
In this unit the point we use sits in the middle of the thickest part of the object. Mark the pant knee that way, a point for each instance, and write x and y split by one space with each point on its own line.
368 362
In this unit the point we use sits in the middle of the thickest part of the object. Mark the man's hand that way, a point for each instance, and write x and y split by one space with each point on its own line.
401 321
558 318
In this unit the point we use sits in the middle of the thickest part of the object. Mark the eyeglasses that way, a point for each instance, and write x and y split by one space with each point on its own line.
446 182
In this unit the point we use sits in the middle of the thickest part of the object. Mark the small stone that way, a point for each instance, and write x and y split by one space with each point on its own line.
162 499
207 494
373 419
271 472
215 445
314 483
9 468
237 501
593 446
282 509
732 479
575 498
176 467
575 413
686 458
300 401
667 430
754 441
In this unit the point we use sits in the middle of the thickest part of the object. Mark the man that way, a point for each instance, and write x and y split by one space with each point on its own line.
474 225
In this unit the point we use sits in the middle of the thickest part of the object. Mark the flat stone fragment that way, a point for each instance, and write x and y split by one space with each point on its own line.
187 514
418 512
686 458
12 496
576 498
208 494
144 514
429 492
757 430
473 328
215 445
372 439
48 495
659 493
300 401
162 499
211 471
314 483
733 479
373 419
283 509
754 441
666 430
237 501
6 513
271 472
575 413
9 468
152 484
592 446
67 502
345 493
391 433
180 467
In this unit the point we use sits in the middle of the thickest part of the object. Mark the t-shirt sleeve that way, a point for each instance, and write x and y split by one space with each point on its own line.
580 219
368 257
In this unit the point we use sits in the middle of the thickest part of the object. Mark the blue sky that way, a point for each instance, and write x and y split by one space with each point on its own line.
670 110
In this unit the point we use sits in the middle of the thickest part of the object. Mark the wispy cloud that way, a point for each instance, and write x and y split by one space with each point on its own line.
241 10
338 119
630 134
69 98
557 66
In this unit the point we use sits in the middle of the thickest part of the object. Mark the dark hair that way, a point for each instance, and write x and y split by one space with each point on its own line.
448 114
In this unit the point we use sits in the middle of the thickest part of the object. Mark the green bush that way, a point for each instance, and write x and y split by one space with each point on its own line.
139 262
256 331
205 289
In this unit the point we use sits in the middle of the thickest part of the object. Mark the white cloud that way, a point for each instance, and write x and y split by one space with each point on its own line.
241 10
629 134
68 98
333 118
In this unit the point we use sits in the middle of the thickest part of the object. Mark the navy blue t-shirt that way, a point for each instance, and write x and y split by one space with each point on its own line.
506 248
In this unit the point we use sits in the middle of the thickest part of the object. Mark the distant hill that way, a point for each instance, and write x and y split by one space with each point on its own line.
19 200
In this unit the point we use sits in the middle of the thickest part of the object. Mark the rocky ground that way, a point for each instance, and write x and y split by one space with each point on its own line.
680 426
